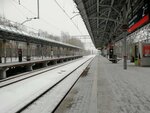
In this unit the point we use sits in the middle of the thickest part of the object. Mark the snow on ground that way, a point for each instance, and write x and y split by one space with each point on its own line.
50 100
118 90
17 95
83 96
123 91
31 73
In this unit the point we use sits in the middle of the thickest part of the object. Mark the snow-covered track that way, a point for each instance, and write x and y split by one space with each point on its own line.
20 96
26 75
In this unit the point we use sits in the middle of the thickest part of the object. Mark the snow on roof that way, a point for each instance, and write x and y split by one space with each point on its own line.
20 32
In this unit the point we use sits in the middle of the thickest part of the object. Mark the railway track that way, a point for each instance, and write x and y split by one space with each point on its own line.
26 75
41 92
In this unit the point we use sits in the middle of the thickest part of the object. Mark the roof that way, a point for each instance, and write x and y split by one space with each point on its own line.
104 18
10 33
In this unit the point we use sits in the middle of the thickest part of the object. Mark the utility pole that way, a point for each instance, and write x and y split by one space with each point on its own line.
38 10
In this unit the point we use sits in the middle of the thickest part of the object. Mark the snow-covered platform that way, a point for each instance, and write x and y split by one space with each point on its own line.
108 88
4 66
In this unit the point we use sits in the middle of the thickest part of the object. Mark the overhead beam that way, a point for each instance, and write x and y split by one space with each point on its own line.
105 32
92 6
106 18
101 13
112 2
112 8
97 15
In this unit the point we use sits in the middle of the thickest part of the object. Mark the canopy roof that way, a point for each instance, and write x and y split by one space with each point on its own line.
11 33
104 18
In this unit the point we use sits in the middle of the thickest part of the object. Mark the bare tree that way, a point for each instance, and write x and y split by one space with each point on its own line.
76 42
65 36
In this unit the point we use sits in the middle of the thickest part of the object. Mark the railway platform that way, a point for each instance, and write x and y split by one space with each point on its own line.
108 88
29 64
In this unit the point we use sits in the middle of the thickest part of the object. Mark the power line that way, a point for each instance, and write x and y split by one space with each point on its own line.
67 15
35 14
47 21
25 8
18 9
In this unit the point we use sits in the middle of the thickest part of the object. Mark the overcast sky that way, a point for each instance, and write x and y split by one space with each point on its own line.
52 18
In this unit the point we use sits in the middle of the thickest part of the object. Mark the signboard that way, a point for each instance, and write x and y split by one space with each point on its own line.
146 50
141 17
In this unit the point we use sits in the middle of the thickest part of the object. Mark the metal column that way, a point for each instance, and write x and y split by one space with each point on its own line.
125 53
1 51
52 54
42 47
124 28
28 52
4 49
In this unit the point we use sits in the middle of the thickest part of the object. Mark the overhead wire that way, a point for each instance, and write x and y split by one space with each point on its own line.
25 7
50 23
44 20
67 16
12 3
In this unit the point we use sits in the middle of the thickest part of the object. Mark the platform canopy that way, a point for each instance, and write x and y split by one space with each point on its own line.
11 33
105 19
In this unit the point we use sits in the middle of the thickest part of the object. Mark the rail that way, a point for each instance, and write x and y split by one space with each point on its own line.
24 76
36 91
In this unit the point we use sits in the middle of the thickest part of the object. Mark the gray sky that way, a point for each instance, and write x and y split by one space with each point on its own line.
52 18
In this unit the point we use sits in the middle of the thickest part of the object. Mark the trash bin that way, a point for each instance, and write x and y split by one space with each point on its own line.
136 61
